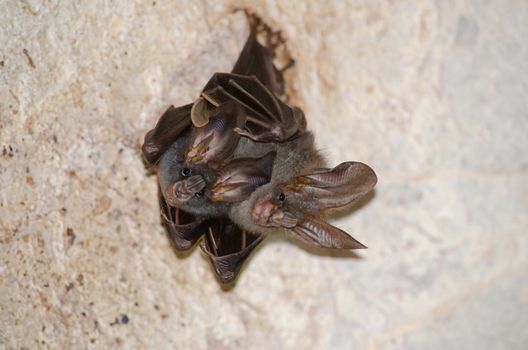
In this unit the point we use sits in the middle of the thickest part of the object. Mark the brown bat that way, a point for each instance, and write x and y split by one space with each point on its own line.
197 179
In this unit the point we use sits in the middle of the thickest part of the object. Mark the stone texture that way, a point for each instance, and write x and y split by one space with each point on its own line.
432 94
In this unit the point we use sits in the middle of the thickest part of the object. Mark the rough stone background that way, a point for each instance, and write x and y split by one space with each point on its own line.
432 94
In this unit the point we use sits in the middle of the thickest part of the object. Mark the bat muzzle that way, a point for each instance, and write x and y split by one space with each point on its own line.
184 190
262 213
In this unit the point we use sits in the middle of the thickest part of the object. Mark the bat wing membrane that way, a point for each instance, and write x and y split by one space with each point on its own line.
268 118
228 247
171 124
257 60
184 229
254 83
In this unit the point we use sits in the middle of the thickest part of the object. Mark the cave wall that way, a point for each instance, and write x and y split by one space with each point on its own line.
431 94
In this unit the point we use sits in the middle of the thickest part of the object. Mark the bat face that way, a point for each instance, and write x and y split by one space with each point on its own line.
182 191
298 205
186 186
277 208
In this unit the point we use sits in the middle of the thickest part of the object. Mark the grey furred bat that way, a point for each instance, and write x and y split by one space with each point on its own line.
297 206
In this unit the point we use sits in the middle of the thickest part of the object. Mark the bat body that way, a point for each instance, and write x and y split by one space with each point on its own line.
292 156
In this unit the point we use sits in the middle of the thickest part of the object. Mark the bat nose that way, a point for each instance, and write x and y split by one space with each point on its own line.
195 184
262 212
184 190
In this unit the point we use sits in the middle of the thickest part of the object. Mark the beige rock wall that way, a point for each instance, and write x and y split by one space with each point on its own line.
432 94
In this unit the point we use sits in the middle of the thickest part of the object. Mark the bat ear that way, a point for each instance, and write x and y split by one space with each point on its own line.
171 124
236 181
200 113
216 140
337 187
321 234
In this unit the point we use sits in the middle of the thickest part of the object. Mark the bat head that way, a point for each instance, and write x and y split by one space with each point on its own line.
180 181
313 192
185 185
298 204
191 164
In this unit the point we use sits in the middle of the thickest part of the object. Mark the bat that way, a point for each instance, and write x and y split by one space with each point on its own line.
192 147
297 206
201 190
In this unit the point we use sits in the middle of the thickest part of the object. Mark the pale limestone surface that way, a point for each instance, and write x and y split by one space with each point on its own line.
432 94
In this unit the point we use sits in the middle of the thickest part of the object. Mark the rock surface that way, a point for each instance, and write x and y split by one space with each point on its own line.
432 94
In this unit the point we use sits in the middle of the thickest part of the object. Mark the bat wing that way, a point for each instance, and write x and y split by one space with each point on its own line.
228 247
254 83
268 118
171 124
257 60
184 229
254 60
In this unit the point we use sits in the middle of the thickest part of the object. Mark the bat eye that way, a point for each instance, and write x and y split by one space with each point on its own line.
199 194
282 197
186 172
